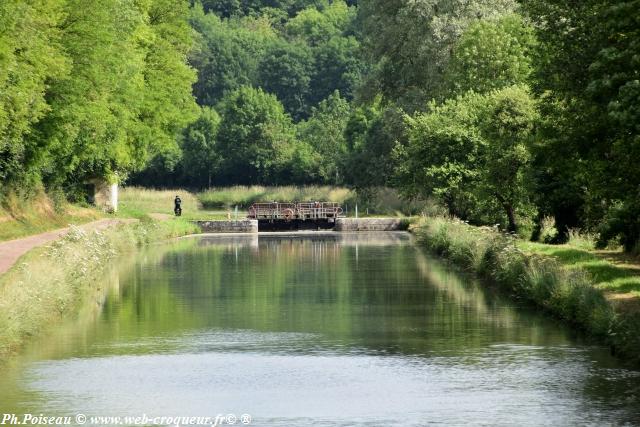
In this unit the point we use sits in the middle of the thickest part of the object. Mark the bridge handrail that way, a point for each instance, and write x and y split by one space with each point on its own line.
299 210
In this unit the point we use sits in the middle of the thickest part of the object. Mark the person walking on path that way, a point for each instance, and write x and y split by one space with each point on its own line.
177 208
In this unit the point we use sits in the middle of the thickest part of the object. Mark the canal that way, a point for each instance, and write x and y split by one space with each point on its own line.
326 329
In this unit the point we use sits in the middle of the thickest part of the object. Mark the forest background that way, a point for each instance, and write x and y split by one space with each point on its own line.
503 112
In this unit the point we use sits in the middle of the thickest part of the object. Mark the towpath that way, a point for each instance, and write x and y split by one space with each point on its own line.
11 250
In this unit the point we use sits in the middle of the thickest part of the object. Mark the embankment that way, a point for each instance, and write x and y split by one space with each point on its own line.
568 294
25 217
50 282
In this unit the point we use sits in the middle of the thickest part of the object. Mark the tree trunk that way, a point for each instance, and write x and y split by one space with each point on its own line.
511 216
449 203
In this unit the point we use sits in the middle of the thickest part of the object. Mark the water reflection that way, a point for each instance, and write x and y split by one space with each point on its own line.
318 329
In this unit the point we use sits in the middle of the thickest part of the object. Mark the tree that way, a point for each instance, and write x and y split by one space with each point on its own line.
256 137
586 66
443 155
201 158
491 55
372 132
230 8
338 66
285 71
472 153
227 53
168 104
507 125
31 56
411 41
302 65
312 27
324 134
315 26
223 8
94 109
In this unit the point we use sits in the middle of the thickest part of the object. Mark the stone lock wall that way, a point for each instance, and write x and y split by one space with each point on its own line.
228 226
370 224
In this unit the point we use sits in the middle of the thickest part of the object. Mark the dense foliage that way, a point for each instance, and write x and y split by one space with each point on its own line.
506 112
307 55
91 89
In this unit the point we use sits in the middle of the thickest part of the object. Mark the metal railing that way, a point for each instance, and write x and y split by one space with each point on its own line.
298 211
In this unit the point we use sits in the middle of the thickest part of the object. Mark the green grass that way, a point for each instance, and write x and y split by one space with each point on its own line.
566 282
20 218
49 283
141 203
605 274
137 202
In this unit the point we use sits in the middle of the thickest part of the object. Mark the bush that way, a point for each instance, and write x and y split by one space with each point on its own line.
621 225
548 230
581 239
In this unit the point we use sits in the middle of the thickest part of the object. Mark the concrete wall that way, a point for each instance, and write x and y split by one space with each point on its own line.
370 224
106 195
228 226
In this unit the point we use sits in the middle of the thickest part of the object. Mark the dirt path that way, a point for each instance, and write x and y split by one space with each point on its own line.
160 216
11 250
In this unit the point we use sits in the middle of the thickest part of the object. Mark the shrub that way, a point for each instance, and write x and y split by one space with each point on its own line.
581 239
548 230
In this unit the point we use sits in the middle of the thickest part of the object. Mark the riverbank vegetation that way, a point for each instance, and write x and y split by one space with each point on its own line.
20 217
49 283
571 284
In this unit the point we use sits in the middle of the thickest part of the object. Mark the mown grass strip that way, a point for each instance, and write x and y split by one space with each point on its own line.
605 274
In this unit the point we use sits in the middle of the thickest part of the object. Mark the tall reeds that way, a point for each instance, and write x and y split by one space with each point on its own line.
243 196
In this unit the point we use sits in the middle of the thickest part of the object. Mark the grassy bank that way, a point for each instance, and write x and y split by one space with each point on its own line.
571 293
24 217
138 202
611 271
49 283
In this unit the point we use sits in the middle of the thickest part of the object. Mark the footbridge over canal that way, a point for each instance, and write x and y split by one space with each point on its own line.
295 216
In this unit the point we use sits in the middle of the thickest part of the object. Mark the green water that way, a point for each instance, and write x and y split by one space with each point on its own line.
314 329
